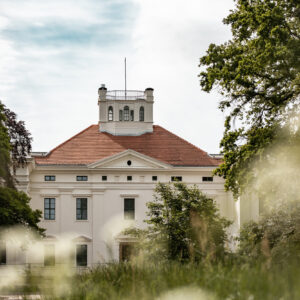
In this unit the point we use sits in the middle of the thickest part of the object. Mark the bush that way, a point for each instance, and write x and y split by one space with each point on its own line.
276 235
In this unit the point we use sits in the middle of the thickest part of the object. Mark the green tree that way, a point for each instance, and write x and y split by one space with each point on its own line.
15 210
258 73
184 224
14 147
5 163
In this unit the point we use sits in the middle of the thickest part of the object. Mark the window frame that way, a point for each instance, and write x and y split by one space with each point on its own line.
3 253
126 251
51 208
81 212
132 115
126 114
129 212
154 177
110 113
176 178
82 178
207 179
79 261
49 178
142 114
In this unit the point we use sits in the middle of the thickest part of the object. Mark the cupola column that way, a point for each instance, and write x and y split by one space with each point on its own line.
102 103
102 93
149 94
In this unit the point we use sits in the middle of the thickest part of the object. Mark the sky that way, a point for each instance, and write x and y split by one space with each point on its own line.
54 55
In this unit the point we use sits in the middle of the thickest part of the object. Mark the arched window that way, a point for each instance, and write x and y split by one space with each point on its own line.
126 113
132 115
110 114
142 114
120 115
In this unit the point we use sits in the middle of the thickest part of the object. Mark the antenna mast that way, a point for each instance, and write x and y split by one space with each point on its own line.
125 81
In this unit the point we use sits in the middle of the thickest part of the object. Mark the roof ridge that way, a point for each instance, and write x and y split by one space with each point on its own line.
74 136
180 138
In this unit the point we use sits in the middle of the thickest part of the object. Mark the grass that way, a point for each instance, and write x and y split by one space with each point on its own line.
230 280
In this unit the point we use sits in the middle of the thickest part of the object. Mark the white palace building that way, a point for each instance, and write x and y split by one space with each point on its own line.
98 182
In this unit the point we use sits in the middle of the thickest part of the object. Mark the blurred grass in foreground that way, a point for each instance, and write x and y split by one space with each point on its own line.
229 280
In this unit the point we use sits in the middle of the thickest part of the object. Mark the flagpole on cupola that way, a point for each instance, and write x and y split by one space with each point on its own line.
125 81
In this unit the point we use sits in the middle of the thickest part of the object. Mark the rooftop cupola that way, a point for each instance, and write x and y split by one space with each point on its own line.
125 112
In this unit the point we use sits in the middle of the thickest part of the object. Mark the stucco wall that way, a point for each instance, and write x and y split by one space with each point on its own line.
106 201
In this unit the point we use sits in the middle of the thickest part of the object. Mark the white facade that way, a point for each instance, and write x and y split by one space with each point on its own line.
109 181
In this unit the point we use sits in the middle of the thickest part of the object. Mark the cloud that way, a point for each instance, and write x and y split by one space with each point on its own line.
169 40
55 54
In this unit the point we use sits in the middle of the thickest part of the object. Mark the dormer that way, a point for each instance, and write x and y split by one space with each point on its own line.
128 113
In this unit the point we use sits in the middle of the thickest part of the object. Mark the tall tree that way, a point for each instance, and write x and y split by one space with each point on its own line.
258 73
5 162
17 140
15 146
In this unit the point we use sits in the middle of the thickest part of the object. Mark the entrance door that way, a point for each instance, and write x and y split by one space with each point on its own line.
126 251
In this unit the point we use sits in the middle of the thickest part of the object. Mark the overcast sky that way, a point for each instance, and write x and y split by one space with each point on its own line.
55 54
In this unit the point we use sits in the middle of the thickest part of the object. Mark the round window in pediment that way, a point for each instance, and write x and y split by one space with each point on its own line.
129 162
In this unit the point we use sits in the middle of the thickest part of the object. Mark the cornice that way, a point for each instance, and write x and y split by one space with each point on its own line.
72 168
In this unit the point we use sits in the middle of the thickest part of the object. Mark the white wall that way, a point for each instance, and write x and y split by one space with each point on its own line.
106 201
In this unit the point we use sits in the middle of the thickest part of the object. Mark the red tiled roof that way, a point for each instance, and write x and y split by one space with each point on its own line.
90 145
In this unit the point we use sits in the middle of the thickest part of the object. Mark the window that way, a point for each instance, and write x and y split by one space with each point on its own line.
120 115
128 209
81 178
126 113
129 178
104 178
128 162
207 179
81 255
81 208
126 251
141 114
49 255
176 178
110 114
2 253
49 178
49 208
154 178
132 115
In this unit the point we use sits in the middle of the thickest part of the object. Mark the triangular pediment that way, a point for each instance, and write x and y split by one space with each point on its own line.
129 159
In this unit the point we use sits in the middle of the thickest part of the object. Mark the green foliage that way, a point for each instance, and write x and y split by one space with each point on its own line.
14 146
258 72
276 236
15 210
5 148
184 225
